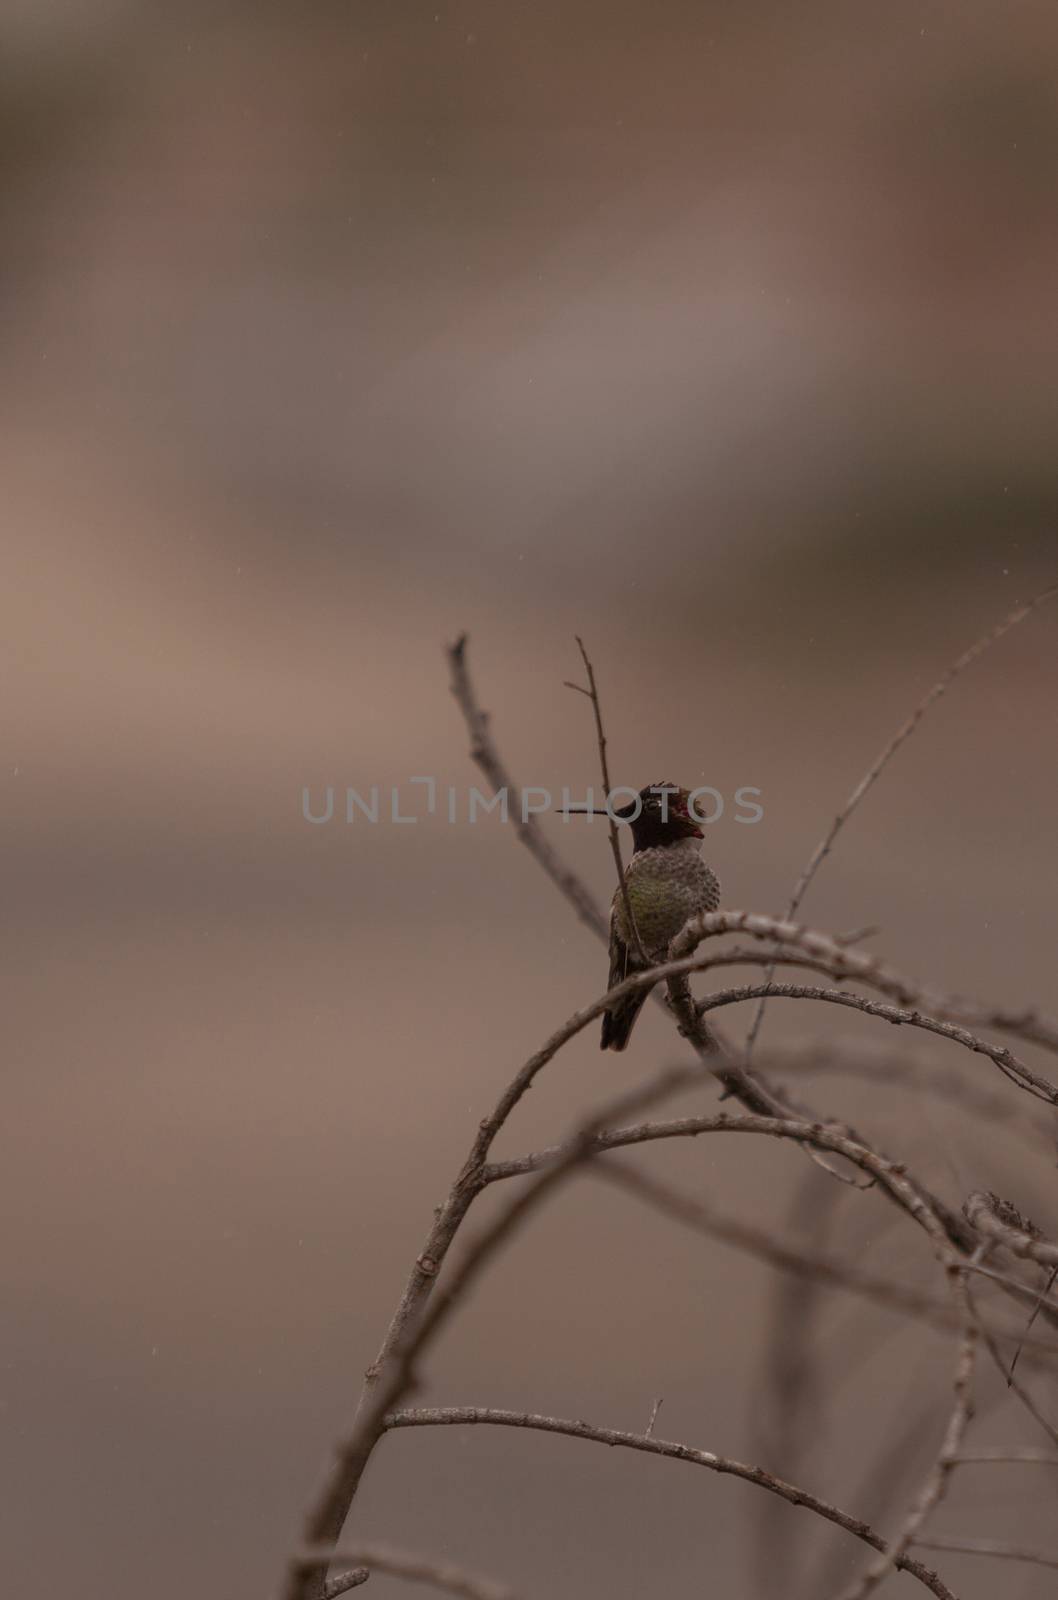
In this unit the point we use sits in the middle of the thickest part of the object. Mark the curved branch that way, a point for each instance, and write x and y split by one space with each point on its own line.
998 1220
861 1057
841 962
946 1460
413 1314
396 1373
989 1547
1007 1062
825 1136
461 1416
1012 1383
762 1244
906 729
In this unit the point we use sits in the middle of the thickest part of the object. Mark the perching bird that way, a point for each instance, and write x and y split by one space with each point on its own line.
667 882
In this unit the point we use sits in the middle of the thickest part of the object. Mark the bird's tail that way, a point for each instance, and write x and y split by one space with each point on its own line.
617 1023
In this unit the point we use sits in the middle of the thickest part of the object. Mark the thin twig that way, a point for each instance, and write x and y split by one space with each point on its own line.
1041 1301
935 1486
421 1312
1005 1455
763 1245
1012 1383
989 1547
840 962
460 1416
825 845
867 1060
331 1506
592 693
745 1086
790 1406
1007 1062
879 1485
892 1177
483 751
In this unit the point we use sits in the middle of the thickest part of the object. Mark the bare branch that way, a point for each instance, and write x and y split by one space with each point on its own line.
841 962
1026 1294
753 1094
989 1547
890 1294
332 1504
424 1308
1012 1383
869 1061
762 1244
891 1176
824 1136
459 1416
396 1373
1007 1062
615 843
1041 1301
825 845
998 1220
936 1484
483 752
1006 1455
912 1196
790 1410
879 1485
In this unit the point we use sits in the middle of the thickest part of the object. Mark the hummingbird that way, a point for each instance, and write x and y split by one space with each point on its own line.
667 882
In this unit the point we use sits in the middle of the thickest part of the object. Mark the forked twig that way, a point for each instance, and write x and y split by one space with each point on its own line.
592 693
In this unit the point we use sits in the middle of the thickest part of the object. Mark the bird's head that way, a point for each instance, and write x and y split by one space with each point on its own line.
659 815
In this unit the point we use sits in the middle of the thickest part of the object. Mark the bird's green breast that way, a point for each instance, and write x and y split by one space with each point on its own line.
665 887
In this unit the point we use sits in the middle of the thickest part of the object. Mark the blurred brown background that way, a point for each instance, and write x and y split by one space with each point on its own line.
723 335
